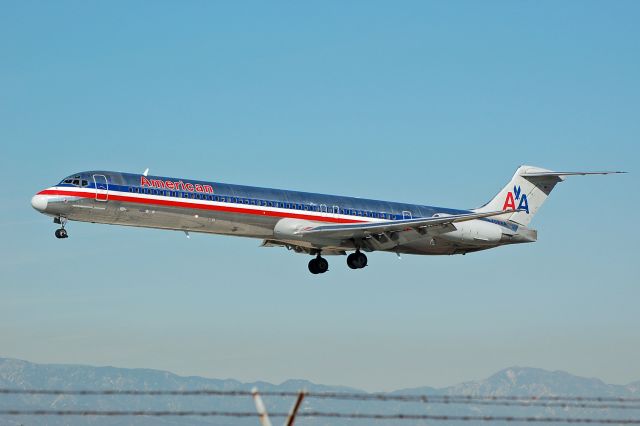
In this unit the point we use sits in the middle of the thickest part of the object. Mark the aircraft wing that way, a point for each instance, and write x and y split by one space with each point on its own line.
439 223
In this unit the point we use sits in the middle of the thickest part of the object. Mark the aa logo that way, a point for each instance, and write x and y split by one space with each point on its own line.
512 197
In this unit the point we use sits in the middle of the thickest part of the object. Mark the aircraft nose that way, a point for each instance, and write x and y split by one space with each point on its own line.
39 202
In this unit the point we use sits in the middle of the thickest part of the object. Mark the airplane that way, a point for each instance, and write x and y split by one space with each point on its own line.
315 224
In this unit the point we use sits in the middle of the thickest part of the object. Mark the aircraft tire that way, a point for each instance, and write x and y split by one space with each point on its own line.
313 268
318 265
357 260
322 265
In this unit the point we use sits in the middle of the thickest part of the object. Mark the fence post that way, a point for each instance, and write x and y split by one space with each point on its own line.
262 411
294 410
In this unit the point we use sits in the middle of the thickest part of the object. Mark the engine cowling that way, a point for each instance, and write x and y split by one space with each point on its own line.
289 229
477 232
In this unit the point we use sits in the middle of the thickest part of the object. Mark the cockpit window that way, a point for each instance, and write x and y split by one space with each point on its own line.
77 180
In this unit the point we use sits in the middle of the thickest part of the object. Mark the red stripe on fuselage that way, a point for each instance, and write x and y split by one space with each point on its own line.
115 196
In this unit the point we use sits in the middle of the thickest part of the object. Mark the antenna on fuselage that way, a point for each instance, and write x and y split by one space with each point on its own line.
146 172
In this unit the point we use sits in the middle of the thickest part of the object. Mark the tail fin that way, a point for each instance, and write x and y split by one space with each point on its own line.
528 189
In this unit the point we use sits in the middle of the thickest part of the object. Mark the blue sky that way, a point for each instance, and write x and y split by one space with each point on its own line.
426 102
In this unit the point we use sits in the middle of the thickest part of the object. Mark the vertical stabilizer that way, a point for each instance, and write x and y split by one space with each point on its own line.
528 189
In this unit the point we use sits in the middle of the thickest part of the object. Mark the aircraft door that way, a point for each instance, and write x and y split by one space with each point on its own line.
102 187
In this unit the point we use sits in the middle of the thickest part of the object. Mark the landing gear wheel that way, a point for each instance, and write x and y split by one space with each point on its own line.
322 265
357 260
312 266
61 233
319 265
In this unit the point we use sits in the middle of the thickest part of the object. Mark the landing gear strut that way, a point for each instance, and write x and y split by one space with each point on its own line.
357 260
319 265
61 232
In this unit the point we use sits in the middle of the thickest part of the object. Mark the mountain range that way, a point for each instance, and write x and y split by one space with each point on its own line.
513 381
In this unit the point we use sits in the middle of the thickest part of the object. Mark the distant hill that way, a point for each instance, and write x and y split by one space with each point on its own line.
509 382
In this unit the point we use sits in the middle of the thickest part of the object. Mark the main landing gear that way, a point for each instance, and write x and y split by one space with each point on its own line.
319 265
61 232
357 260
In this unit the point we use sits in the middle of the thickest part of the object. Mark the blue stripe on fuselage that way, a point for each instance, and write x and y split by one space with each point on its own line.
351 206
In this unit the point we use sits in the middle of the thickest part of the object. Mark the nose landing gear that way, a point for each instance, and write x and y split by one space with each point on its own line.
61 232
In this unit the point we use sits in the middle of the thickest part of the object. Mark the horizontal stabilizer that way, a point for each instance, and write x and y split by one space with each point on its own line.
560 174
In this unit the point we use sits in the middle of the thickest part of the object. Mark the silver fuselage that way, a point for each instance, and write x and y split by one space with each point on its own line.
209 207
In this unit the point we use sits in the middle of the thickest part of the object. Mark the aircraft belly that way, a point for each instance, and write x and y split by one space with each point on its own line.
437 246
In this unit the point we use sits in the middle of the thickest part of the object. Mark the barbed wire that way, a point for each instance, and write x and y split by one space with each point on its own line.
490 400
368 416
